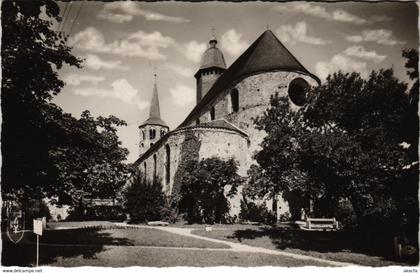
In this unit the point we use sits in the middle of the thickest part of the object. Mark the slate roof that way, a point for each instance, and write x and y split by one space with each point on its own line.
215 124
154 112
212 57
267 53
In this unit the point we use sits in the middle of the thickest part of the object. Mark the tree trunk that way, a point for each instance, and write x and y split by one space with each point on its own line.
274 207
311 207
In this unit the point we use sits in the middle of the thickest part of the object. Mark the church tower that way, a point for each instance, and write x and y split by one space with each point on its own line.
154 127
211 67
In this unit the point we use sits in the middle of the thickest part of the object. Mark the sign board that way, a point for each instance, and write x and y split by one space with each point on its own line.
15 224
38 227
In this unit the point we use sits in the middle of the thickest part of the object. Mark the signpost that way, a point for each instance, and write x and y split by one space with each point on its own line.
38 232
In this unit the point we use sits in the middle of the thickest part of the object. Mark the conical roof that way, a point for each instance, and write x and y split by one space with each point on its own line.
267 53
212 57
154 112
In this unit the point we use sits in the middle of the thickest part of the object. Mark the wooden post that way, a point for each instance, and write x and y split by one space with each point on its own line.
38 231
37 250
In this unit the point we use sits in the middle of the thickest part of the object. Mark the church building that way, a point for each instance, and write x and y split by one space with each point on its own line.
221 123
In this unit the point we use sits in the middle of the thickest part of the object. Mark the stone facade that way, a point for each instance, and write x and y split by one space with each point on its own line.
222 124
162 165
149 135
205 81
254 98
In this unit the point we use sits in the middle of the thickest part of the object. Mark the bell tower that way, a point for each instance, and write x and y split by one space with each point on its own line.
211 67
154 127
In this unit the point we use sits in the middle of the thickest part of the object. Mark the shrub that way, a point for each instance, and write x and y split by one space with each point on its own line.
345 214
169 213
96 213
284 217
202 189
256 213
144 201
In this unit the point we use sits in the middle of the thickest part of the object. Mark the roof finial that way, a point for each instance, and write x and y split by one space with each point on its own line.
155 75
268 27
213 40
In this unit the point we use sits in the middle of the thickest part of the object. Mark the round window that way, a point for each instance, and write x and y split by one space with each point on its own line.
297 91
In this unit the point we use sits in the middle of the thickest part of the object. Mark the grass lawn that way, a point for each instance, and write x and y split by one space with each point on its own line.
118 256
336 246
89 242
80 224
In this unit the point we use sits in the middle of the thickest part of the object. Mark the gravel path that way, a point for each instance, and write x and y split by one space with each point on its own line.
237 247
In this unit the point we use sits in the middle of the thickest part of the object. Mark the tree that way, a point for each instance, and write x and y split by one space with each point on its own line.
86 157
144 201
202 189
411 124
31 55
275 172
345 144
45 151
353 148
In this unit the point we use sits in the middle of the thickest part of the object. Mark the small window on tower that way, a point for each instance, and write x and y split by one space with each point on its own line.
212 113
144 135
152 133
234 98
162 133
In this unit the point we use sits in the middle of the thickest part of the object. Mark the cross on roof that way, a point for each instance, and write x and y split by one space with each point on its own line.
213 29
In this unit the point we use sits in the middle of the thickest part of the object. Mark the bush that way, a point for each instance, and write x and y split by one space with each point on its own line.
256 213
168 213
345 215
96 213
284 217
144 201
202 190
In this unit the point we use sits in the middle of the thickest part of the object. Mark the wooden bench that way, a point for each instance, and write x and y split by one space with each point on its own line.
321 223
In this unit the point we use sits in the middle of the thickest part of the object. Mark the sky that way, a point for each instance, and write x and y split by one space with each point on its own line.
124 43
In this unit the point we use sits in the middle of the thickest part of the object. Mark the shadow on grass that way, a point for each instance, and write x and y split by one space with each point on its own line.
320 241
57 243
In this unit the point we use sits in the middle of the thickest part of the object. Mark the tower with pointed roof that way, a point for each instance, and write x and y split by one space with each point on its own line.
153 128
211 67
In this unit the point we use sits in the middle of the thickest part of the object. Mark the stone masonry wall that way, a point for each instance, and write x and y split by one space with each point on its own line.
254 98
208 142
206 81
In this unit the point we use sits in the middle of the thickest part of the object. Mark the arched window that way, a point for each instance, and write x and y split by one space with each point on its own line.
197 121
152 133
145 172
154 168
297 91
234 98
162 133
168 164
212 113
144 135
